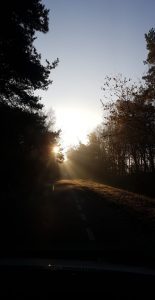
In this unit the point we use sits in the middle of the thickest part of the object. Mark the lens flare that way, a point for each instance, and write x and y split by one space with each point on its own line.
56 149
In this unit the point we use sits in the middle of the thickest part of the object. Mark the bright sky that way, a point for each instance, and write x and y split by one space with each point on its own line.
92 39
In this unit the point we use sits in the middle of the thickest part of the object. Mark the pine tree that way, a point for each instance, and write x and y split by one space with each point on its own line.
21 70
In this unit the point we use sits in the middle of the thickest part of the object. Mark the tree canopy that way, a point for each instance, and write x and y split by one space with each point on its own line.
26 138
122 148
150 62
21 70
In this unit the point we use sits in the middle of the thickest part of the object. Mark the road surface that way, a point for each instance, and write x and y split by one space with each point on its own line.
75 215
81 215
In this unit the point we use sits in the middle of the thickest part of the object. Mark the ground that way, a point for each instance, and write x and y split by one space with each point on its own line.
82 216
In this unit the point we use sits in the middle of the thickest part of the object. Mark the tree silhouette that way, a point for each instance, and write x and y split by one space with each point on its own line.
150 61
26 137
21 70
26 132
122 150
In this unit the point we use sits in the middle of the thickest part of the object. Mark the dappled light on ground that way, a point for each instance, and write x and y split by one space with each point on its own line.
137 202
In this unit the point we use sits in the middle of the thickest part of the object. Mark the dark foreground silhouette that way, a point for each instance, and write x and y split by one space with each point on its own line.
77 217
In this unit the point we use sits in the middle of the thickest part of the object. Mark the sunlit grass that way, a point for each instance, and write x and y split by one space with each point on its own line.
136 202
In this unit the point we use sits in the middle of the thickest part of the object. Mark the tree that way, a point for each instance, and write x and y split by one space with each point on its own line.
150 62
122 149
130 124
25 131
27 134
25 152
21 71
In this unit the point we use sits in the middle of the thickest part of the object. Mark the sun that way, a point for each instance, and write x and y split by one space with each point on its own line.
76 124
56 149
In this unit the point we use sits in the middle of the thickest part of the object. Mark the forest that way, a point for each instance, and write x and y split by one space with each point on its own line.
89 210
121 150
26 131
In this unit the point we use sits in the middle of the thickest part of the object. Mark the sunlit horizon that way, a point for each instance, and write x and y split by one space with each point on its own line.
75 125
92 39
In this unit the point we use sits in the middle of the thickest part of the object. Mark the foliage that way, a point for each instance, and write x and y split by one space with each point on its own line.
26 132
150 62
21 71
25 152
122 148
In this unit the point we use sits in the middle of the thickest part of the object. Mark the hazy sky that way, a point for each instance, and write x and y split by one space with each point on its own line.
92 39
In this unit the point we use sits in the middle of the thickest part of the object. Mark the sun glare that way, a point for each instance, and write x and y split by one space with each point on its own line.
65 157
56 149
75 125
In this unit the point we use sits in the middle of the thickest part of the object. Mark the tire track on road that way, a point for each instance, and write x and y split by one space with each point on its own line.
82 215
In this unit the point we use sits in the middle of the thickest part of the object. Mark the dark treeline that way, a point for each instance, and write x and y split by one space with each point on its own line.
121 151
26 133
27 162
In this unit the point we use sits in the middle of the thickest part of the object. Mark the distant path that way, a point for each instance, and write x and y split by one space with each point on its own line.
81 213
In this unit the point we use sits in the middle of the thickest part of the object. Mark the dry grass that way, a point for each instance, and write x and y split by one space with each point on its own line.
136 202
